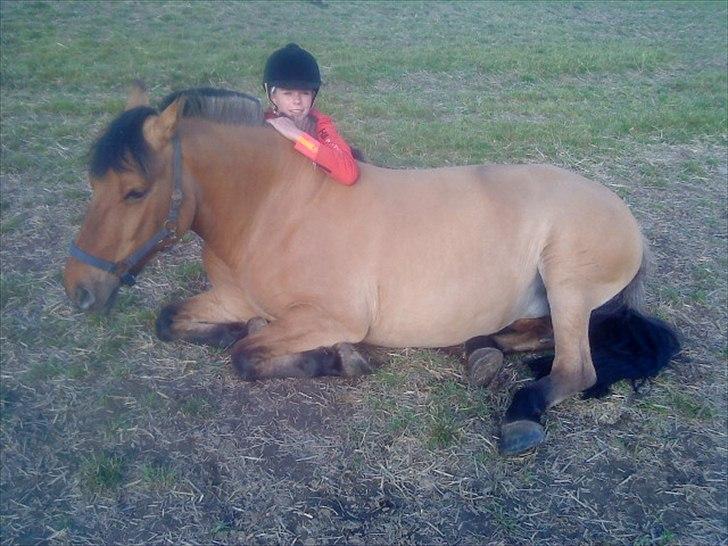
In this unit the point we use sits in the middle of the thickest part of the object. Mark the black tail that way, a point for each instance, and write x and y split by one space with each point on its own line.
625 344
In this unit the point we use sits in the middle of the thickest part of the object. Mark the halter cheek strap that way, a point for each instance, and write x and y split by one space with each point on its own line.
128 268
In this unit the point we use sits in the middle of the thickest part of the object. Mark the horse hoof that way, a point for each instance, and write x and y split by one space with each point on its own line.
256 324
483 365
353 363
520 436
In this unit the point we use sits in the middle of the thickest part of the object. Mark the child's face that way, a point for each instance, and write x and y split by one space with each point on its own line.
294 103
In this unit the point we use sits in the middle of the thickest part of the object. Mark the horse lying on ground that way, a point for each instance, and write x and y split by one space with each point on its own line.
302 268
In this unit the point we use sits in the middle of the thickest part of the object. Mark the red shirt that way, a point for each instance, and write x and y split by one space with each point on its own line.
330 151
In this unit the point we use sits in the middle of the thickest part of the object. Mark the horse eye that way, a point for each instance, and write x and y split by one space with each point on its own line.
134 195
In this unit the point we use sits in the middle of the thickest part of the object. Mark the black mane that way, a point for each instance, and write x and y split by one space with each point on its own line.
123 144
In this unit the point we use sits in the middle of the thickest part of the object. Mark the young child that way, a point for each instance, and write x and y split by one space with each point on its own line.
291 81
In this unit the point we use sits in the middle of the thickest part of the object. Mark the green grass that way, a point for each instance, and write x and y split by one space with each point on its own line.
666 538
158 476
190 272
16 289
196 407
443 429
689 407
102 473
43 371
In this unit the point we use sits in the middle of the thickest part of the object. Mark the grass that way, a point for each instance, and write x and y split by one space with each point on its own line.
158 476
94 408
196 407
102 473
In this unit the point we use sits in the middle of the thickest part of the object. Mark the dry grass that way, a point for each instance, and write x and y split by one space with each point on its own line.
109 436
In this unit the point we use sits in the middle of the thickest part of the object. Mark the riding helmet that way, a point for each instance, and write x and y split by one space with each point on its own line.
291 67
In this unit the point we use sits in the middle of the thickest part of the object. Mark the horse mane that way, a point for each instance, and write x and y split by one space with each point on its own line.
122 144
218 105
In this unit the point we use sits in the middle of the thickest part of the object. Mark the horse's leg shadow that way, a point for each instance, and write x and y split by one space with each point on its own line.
203 320
284 348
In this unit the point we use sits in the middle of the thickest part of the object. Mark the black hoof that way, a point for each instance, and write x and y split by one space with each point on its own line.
483 365
520 436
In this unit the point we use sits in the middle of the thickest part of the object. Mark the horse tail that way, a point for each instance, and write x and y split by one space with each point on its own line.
625 342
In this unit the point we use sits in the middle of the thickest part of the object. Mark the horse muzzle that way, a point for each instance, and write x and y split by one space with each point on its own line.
89 290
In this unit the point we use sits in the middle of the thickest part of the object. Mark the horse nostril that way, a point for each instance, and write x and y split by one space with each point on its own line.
84 298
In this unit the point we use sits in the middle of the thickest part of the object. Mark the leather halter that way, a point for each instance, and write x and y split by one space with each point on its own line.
128 268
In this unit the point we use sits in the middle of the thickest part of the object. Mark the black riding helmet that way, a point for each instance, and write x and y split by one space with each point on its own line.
291 67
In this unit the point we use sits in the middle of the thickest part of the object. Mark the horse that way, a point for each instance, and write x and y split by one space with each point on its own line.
304 271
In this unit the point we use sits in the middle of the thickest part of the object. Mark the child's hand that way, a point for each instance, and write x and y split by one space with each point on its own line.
286 127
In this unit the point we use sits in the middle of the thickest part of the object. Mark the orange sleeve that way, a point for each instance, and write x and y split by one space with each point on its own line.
330 151
308 146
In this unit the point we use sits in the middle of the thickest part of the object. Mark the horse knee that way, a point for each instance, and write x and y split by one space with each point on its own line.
318 362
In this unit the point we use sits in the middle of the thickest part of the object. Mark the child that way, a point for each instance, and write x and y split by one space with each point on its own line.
291 81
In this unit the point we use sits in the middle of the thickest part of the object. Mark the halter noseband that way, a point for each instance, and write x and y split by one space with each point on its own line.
128 268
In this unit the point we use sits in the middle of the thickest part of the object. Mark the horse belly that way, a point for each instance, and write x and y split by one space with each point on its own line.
477 293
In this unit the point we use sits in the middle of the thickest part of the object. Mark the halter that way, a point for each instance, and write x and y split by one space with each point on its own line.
128 268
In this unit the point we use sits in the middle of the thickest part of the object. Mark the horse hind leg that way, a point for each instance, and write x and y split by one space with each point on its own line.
526 335
572 371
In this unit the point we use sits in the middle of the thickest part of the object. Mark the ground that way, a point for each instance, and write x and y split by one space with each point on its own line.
110 436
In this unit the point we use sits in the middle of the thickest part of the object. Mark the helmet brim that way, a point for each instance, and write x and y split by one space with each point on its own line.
294 84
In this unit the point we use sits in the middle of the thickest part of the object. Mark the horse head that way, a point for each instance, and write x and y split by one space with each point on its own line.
135 205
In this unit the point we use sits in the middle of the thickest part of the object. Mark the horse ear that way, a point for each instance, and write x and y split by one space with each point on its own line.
137 95
158 130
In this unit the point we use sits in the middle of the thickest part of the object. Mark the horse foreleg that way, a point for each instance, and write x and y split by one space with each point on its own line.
206 319
572 372
303 343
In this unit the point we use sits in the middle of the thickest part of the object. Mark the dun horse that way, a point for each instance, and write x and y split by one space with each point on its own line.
302 268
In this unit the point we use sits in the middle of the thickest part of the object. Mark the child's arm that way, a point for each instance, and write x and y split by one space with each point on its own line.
330 152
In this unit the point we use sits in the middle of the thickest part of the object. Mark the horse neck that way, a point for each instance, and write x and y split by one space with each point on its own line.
239 174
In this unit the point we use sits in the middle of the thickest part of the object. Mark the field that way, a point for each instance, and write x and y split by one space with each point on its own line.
111 436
